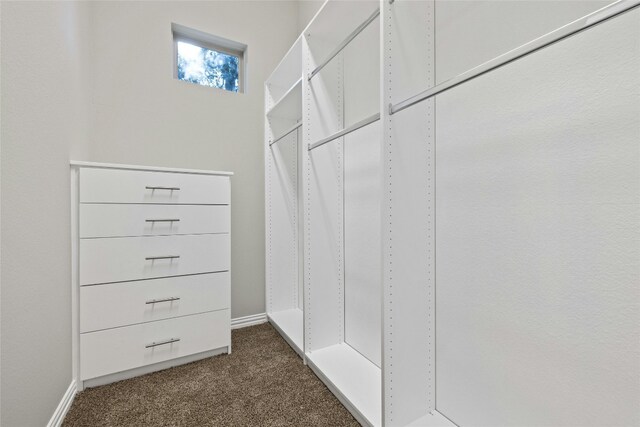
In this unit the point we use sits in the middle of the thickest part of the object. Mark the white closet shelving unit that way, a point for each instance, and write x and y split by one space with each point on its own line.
283 106
341 170
417 124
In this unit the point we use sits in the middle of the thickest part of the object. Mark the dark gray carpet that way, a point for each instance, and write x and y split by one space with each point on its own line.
262 383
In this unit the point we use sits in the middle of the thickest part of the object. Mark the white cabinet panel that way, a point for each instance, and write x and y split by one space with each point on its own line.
130 186
131 258
120 304
120 349
362 269
121 220
324 248
282 244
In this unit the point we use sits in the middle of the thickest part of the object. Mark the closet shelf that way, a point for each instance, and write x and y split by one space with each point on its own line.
352 377
435 419
289 106
290 325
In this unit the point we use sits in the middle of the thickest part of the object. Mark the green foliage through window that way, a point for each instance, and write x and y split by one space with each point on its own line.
207 67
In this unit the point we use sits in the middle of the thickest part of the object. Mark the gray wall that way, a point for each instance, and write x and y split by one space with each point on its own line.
43 124
142 115
306 11
94 81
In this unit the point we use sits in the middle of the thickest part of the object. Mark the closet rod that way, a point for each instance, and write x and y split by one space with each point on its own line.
294 127
345 131
548 39
345 42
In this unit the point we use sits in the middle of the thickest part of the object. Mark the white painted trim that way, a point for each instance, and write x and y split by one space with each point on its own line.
78 163
75 273
251 320
338 394
63 407
289 339
217 42
147 369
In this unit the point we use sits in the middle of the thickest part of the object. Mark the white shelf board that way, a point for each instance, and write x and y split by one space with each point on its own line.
289 106
290 325
352 378
434 419
290 67
83 164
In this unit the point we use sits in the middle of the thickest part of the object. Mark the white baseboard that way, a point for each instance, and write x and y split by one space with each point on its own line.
243 322
63 406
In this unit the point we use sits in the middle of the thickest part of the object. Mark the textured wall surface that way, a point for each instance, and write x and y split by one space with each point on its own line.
44 116
537 237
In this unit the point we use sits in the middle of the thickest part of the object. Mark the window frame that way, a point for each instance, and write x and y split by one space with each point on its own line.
204 40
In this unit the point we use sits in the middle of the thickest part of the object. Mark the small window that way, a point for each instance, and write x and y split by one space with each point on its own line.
208 60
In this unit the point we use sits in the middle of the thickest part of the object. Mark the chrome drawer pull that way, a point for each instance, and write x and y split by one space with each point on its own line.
148 187
170 299
153 258
162 220
155 344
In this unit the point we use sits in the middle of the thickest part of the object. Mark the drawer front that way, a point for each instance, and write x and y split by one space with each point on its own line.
126 186
114 220
121 349
119 259
121 304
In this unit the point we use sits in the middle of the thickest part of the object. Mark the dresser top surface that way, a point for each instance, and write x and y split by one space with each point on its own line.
83 164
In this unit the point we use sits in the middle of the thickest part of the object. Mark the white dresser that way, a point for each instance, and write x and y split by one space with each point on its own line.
151 269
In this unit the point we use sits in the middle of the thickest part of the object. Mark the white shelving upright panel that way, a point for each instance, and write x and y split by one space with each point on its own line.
408 216
283 116
342 262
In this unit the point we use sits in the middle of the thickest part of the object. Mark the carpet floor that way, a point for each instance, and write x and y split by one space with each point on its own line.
262 383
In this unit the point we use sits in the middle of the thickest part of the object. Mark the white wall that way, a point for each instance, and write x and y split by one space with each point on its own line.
142 115
306 11
44 63
94 81
471 32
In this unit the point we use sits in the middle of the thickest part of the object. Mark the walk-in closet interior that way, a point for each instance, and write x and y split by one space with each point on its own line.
450 194
320 213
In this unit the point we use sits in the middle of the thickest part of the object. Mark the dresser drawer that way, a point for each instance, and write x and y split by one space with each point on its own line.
120 349
118 259
121 304
129 186
116 220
